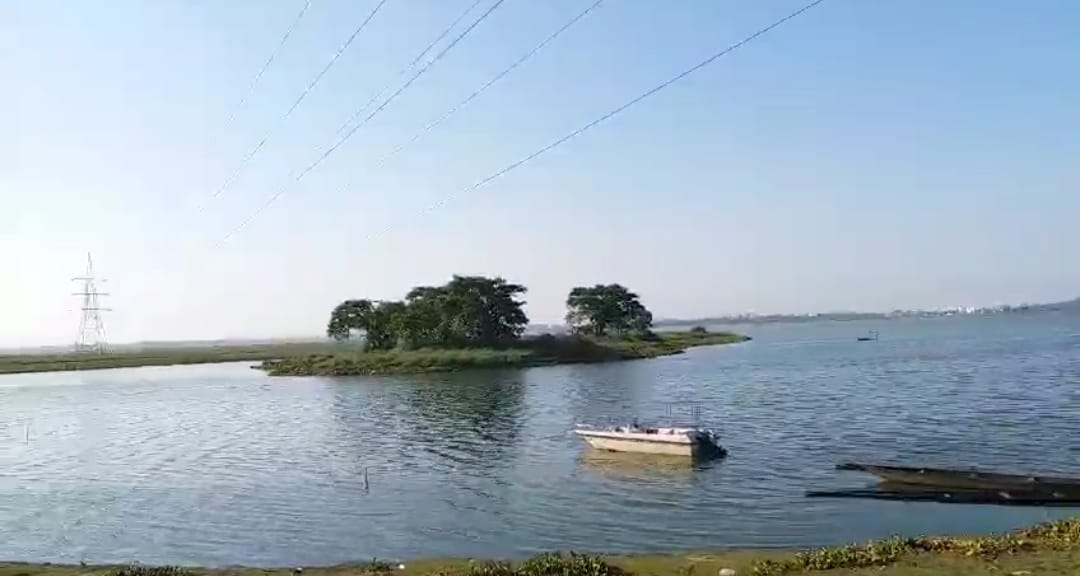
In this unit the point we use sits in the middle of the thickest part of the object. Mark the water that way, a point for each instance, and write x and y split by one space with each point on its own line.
220 465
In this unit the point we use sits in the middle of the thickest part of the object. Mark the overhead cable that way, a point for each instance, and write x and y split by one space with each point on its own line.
410 66
612 113
270 60
247 159
457 107
344 138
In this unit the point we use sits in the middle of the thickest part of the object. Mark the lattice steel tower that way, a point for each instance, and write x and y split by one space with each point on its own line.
91 326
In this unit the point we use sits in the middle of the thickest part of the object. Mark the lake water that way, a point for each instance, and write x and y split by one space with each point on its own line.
219 464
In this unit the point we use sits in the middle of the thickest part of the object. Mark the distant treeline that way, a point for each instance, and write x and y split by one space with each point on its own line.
1069 306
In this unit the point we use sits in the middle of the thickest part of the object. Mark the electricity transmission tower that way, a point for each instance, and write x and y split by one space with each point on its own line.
91 326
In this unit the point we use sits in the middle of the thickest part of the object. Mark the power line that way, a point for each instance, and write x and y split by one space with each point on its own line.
326 154
455 108
445 32
417 74
300 98
270 60
410 66
633 101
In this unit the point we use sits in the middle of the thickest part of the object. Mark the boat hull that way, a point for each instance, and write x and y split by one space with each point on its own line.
642 446
969 479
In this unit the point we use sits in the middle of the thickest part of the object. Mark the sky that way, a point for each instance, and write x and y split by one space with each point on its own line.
862 156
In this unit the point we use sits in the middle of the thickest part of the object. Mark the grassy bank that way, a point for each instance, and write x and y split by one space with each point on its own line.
537 351
1051 549
338 359
14 364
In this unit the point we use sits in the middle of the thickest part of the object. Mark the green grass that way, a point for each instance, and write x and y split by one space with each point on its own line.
1052 538
12 364
537 351
395 362
1049 549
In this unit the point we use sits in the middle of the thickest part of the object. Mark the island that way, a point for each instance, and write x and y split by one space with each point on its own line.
469 322
479 322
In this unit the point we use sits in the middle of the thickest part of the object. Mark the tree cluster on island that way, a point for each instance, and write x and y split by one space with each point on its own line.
477 311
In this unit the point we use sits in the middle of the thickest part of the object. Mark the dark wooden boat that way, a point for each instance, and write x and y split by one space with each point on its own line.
1060 488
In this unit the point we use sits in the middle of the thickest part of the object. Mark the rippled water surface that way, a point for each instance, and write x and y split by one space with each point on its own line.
220 464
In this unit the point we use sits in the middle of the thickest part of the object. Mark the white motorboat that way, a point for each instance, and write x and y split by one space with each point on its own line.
634 438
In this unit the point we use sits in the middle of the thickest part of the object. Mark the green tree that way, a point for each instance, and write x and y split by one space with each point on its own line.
606 309
348 316
383 331
376 321
425 321
467 311
485 311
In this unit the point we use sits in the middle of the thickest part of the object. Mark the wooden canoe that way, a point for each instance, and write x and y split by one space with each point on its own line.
969 479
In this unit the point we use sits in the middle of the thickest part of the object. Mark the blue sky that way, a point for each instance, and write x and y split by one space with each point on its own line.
866 155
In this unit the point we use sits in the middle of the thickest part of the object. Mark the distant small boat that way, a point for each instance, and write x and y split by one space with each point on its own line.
872 336
695 442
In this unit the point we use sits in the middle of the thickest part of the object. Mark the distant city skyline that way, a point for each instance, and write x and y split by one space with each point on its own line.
863 156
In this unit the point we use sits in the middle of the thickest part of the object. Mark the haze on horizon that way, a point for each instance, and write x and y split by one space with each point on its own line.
863 156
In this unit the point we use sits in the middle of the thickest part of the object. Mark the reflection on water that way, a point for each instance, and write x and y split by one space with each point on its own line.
644 467
470 419
450 422
221 465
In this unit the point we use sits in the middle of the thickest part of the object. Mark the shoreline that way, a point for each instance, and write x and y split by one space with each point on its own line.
545 350
187 355
333 358
1049 548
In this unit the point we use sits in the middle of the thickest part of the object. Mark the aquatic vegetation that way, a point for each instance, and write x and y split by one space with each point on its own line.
550 564
376 566
1059 535
141 570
